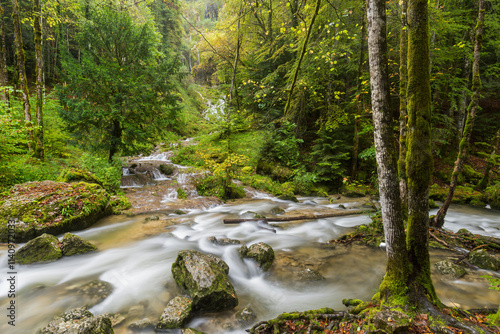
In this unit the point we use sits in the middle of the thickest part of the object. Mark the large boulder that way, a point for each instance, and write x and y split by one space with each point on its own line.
205 279
178 311
260 252
72 244
44 248
79 321
34 208
483 260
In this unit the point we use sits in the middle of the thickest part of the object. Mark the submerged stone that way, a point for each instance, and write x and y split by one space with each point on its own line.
72 245
308 275
44 248
446 267
176 314
484 260
141 325
260 252
95 292
246 316
79 321
204 276
191 331
224 241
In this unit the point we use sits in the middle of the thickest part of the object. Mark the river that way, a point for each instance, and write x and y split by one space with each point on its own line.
136 253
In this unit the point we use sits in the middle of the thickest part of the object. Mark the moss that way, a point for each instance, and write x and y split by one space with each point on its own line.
44 248
167 169
35 208
181 193
119 203
78 175
72 245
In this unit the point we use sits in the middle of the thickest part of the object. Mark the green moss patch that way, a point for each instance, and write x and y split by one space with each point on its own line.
31 209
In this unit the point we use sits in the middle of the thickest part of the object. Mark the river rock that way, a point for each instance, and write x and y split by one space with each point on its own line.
72 245
224 241
191 331
142 325
205 278
79 321
260 252
95 292
484 260
31 209
44 248
446 267
176 314
308 274
246 316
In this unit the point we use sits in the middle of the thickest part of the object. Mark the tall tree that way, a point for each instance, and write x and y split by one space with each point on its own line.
438 220
403 113
22 71
386 153
419 162
37 13
121 90
3 59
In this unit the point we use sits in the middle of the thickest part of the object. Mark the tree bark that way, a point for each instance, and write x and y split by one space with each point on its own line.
403 113
419 163
4 80
39 150
438 220
486 177
386 153
23 83
304 217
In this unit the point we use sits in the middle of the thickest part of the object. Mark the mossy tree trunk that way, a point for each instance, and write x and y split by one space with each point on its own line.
403 113
419 163
23 83
396 275
37 13
491 161
438 220
4 80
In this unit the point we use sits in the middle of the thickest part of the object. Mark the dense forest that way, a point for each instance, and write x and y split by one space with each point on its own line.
292 97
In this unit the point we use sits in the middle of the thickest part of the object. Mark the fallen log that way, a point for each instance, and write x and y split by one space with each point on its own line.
305 217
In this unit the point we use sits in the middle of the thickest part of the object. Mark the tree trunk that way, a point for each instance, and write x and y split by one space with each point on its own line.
23 83
438 220
39 150
403 113
4 80
486 177
116 137
419 162
359 100
302 53
386 153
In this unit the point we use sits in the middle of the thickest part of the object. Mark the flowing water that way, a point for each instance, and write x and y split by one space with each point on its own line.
136 253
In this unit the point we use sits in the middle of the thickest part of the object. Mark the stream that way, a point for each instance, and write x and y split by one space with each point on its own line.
136 253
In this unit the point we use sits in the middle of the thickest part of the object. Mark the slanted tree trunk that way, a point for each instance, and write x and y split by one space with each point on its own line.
438 220
23 83
403 113
386 154
419 163
39 150
302 53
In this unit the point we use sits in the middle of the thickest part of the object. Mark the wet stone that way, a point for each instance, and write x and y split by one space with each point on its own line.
79 321
446 267
95 292
246 316
44 248
260 252
484 260
176 314
309 275
142 325
72 245
224 241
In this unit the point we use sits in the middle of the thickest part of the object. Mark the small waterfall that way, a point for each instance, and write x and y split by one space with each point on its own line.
215 111
126 171
159 176
171 196
163 156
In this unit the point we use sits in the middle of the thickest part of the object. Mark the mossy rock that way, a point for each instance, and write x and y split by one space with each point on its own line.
44 248
484 260
446 267
119 203
177 312
72 245
191 331
224 241
205 279
78 175
492 195
31 209
260 252
246 316
79 321
167 169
